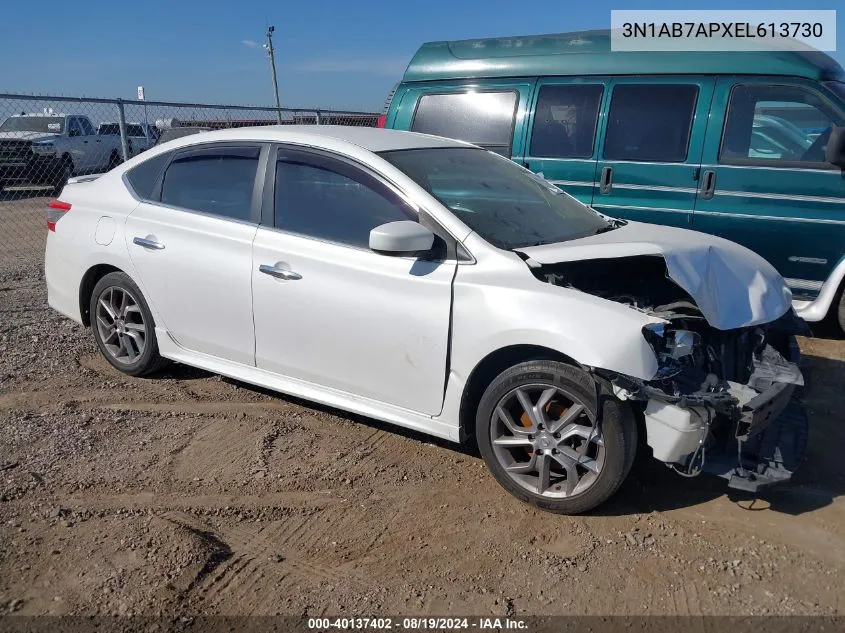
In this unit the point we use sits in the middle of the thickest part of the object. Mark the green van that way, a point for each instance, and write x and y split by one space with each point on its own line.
748 146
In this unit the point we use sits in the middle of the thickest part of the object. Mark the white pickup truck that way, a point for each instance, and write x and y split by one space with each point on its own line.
139 136
48 148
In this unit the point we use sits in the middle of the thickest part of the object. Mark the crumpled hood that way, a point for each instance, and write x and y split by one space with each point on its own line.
732 286
28 136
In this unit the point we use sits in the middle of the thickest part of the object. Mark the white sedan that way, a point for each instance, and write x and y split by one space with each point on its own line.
432 284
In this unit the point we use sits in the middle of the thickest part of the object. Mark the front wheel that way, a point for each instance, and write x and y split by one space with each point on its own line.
61 173
123 326
553 438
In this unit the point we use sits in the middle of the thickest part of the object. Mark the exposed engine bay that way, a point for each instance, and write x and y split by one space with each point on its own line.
716 391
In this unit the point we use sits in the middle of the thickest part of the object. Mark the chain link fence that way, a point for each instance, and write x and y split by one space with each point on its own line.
45 140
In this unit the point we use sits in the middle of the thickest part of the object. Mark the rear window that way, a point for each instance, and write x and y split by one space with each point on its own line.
218 181
143 178
482 118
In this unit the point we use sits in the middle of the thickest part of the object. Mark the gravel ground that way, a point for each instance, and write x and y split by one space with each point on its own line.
188 493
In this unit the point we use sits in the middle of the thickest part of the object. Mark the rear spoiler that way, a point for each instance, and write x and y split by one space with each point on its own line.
74 180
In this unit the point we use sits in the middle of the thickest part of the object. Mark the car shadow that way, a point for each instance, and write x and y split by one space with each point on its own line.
651 486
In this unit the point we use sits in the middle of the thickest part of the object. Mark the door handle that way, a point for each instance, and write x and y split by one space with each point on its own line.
606 182
708 185
152 244
279 273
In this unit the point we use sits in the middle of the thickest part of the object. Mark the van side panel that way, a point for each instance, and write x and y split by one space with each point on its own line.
563 131
650 148
771 189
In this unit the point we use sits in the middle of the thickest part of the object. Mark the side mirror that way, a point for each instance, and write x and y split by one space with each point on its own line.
73 133
835 152
401 238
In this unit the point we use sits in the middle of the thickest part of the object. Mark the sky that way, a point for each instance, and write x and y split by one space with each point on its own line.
329 54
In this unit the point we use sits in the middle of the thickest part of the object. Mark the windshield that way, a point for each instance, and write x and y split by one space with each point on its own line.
505 204
44 124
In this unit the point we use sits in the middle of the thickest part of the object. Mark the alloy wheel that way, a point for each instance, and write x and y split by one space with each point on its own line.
120 324
547 441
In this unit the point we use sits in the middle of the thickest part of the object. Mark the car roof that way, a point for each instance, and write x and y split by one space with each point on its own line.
329 136
589 53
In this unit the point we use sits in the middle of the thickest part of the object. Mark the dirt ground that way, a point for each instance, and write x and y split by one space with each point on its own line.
188 494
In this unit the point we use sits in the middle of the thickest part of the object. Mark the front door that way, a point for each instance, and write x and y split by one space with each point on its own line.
191 246
562 134
651 146
330 311
765 183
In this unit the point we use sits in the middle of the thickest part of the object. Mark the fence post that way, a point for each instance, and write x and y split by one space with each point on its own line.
124 143
317 117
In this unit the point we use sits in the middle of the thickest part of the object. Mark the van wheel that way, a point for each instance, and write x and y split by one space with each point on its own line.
841 311
123 326
551 437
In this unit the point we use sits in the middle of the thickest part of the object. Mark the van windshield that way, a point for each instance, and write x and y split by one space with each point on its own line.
505 204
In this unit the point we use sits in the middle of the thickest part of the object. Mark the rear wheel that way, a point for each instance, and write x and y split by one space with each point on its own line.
553 439
114 161
841 310
123 326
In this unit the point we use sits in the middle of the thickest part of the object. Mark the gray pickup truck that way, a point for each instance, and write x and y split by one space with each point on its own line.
47 149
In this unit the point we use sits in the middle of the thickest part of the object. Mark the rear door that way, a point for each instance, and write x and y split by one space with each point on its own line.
191 245
765 183
489 113
651 147
562 133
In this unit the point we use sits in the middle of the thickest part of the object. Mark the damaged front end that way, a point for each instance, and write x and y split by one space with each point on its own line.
723 401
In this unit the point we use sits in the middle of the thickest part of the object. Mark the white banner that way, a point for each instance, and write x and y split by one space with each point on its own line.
722 30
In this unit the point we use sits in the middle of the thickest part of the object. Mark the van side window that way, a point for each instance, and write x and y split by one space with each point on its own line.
778 126
565 121
483 118
650 122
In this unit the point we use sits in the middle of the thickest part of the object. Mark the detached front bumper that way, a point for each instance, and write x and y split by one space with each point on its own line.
752 434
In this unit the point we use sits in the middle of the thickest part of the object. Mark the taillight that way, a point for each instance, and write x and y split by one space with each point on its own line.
382 120
55 210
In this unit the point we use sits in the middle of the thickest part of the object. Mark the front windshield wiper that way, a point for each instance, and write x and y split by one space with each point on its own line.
611 225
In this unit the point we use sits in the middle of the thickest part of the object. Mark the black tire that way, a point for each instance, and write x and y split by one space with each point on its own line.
61 172
614 419
114 161
146 362
840 315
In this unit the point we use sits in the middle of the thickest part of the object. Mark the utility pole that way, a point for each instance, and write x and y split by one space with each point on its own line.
269 47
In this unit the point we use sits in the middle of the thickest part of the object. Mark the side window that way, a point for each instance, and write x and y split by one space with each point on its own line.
217 180
483 118
144 177
777 126
87 128
73 127
650 122
565 121
330 200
